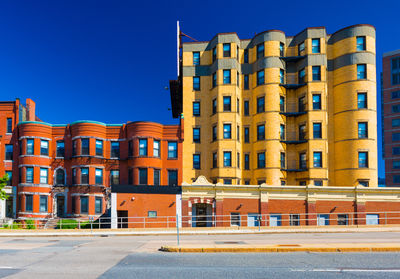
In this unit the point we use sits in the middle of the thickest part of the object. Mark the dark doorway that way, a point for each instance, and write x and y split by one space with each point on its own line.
9 207
122 219
60 206
202 215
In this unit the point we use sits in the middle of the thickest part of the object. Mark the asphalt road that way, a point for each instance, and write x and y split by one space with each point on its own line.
137 257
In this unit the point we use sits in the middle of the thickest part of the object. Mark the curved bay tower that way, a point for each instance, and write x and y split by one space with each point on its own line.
280 110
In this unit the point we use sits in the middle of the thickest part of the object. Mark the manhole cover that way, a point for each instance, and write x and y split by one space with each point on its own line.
229 242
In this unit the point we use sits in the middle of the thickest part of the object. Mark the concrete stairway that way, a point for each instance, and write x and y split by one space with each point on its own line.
51 223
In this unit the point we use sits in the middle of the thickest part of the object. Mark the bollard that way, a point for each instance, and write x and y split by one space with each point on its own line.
177 229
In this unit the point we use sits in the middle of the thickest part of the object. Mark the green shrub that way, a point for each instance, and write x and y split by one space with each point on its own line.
30 224
67 224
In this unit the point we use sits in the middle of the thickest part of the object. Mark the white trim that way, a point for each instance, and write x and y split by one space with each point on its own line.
34 193
34 137
88 166
28 165
86 195
34 185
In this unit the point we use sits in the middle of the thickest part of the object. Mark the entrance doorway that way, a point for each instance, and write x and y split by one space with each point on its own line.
9 207
202 215
60 206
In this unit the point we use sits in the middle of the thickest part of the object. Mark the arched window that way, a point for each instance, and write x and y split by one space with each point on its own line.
60 177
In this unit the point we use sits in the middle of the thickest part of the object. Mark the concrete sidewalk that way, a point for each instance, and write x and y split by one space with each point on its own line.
198 231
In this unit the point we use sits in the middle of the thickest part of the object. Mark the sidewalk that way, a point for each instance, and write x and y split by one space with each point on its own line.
198 231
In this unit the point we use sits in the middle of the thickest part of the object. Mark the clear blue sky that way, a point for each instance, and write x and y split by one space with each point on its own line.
111 60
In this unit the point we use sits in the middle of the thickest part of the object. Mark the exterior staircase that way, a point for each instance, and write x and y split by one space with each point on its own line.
51 223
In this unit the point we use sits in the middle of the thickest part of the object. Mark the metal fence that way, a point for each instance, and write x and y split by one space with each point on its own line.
234 219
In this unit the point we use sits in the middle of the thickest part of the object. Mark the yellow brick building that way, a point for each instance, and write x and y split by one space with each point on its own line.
280 110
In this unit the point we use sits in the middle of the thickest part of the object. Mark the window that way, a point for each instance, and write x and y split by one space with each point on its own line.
238 132
215 159
283 182
130 176
227 103
237 78
99 177
282 103
214 80
260 104
301 47
98 205
73 176
302 132
28 203
246 82
43 204
246 108
282 49
228 181
246 56
196 83
196 58
342 219
282 132
214 106
130 148
317 131
396 108
152 214
237 53
275 220
227 131
227 159
362 100
214 54
227 76
214 133
302 161
318 183
9 152
9 125
294 220
260 77
60 148
9 181
317 159
156 148
363 159
316 101
99 147
246 161
316 48
60 177
196 108
361 45
235 219
44 147
114 177
238 160
43 175
114 149
316 73
364 183
84 146
363 130
172 150
156 177
84 204
396 164
261 160
283 160
281 76
396 179
29 175
74 144
396 150
84 175
302 76
196 161
173 178
246 135
142 176
261 132
142 147
260 50
395 94
395 71
237 105
30 146
302 183
227 50
361 71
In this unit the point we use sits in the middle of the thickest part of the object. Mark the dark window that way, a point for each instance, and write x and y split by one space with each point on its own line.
172 150
396 108
60 150
172 177
99 147
156 177
246 82
302 105
361 43
142 147
84 205
227 159
282 49
196 83
99 177
98 205
364 183
396 164
361 71
227 76
363 159
260 77
303 161
318 183
260 50
317 131
363 130
395 71
246 161
316 101
114 149
214 133
246 135
316 73
260 104
246 108
196 161
282 103
214 106
84 146
43 204
9 125
294 220
246 56
342 220
130 148
235 218
395 122
196 108
60 177
130 176
214 54
238 133
238 161
396 179
237 53
196 58
261 160
84 175
260 132
237 105
227 50
227 103
396 150
228 181
9 175
395 94
362 100
283 160
302 76
143 176
301 47
9 152
317 159
214 81
114 177
281 76
237 79
227 131
316 48
74 147
302 132
215 159
282 132
28 203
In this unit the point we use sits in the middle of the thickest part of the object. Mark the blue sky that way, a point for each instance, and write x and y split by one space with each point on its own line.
110 61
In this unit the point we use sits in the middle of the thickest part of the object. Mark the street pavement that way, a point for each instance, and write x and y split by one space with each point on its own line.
138 257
